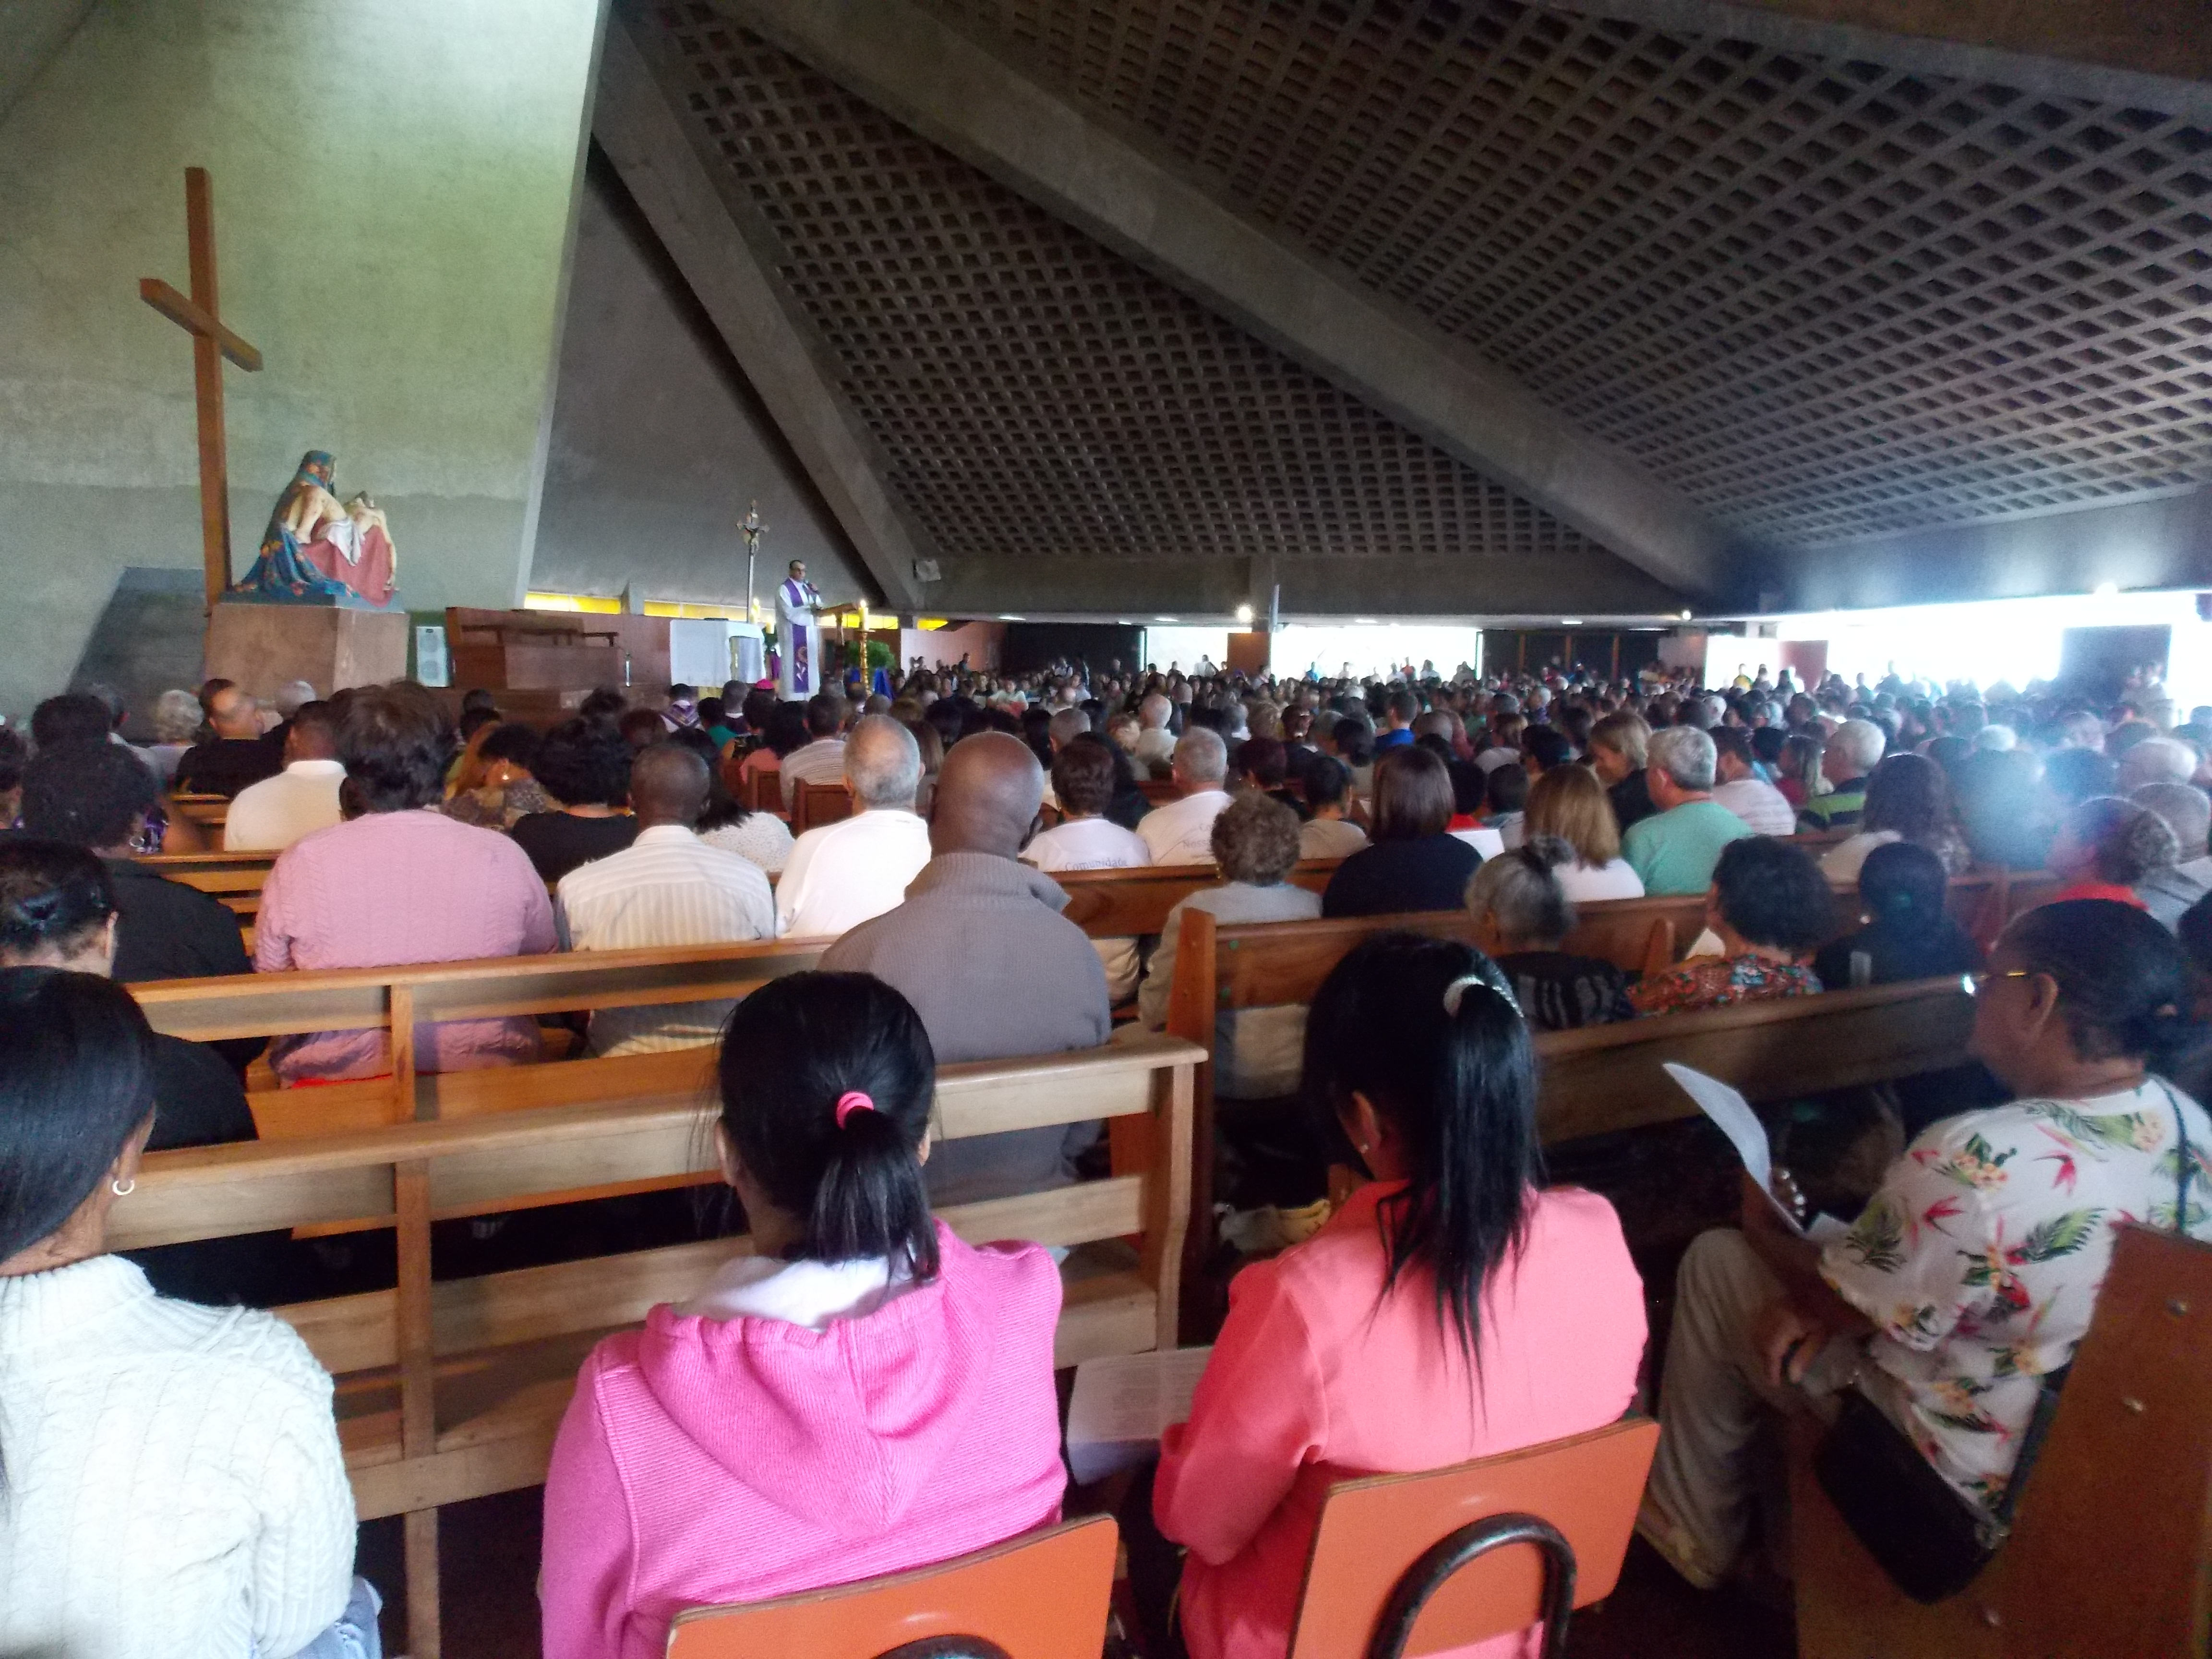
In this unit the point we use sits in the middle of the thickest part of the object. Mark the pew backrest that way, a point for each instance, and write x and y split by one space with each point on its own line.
1117 903
814 804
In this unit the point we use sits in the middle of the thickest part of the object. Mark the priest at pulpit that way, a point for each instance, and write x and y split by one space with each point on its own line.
798 636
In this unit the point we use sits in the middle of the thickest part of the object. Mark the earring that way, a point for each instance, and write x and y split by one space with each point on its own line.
1363 1146
124 1188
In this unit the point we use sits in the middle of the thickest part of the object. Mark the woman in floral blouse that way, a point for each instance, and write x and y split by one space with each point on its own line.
1973 1272
1771 908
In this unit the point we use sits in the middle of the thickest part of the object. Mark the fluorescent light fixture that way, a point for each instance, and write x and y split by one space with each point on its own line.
1005 618
1364 622
1163 619
1244 613
1570 622
2105 590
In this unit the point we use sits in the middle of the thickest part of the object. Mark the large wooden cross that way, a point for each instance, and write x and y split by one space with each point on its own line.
212 340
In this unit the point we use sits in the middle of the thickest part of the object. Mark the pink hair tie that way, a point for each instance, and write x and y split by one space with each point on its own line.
850 1101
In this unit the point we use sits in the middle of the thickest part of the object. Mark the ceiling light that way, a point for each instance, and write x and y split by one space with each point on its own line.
1163 619
1364 622
1244 613
1005 618
1570 622
1685 616
2105 590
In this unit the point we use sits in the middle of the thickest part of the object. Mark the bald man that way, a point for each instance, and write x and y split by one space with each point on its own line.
995 971
237 755
668 887
841 874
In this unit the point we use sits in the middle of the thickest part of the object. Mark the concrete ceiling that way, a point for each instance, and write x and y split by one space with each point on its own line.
1477 307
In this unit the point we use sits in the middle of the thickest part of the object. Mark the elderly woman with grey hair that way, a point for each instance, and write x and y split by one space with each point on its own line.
1522 916
2108 847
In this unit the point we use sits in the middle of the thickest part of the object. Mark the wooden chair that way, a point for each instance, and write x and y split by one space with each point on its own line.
1043 1596
814 804
454 1389
1416 1563
2110 1556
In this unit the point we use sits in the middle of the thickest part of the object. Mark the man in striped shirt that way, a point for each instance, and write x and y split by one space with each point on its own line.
667 888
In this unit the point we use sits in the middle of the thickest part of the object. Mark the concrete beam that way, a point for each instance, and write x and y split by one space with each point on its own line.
704 232
2148 54
1115 184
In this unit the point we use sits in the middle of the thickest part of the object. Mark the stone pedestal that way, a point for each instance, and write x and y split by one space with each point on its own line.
263 646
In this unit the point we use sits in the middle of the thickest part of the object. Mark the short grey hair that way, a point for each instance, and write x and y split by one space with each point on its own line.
882 763
1862 742
1068 724
293 696
1202 757
2157 760
1998 738
2185 808
1684 754
1521 892
1154 711
176 716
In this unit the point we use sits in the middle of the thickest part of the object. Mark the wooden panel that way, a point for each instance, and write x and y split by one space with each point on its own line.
1116 1313
1117 904
448 1477
980 1098
1263 964
1081 1214
171 1211
347 1333
641 1147
530 1303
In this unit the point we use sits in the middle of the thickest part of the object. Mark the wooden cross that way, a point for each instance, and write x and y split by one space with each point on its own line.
201 317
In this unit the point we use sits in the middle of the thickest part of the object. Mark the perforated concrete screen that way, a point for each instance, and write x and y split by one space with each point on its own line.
1034 394
1825 298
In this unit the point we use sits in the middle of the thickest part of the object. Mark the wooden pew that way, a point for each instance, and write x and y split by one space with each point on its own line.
454 1389
1118 904
814 804
236 878
209 812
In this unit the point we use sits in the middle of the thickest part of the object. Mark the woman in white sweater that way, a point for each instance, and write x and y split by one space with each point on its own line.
170 1478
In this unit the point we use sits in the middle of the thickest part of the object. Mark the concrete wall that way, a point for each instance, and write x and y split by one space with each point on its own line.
659 442
394 182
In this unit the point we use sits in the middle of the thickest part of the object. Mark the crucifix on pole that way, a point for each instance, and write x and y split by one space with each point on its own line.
200 316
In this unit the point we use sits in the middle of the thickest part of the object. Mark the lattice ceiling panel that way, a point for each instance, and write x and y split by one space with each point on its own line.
1825 298
1035 393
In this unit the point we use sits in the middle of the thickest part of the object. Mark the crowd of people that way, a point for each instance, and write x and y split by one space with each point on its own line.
862 1392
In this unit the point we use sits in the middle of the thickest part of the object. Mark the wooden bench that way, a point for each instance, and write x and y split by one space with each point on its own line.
209 812
236 878
454 1389
1120 903
814 804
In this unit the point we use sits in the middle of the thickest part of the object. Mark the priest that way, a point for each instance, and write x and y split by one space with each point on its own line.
798 636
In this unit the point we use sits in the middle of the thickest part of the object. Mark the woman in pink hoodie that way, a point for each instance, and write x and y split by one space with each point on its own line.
860 1394
1451 1309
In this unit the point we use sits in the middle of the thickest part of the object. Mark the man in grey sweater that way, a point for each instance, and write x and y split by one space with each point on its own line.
995 971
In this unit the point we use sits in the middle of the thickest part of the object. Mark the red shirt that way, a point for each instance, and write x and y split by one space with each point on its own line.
2097 890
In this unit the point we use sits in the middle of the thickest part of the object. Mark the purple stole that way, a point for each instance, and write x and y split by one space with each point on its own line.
802 665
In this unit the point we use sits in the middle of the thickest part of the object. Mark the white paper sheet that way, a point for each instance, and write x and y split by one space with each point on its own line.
1122 1405
1748 1135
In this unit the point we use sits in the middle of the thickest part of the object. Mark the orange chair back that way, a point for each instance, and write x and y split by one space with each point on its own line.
1043 1596
1375 1531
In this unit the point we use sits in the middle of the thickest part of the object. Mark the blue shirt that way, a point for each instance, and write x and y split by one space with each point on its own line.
1399 739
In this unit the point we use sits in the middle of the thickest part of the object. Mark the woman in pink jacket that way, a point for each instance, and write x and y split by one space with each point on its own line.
861 1395
1452 1309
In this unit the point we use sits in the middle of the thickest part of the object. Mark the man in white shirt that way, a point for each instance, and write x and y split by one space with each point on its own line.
845 873
1742 791
823 760
1083 778
667 888
1155 743
1181 832
1065 726
303 798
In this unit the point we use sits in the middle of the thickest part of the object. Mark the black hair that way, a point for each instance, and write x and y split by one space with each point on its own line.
1460 1089
1403 704
786 729
2123 982
1766 743
73 717
89 794
1773 893
319 717
478 697
722 808
1547 747
680 692
514 742
77 1080
1506 788
1470 786
474 720
1903 887
1326 780
396 743
792 1050
711 711
824 714
584 763
51 894
605 704
1082 776
759 704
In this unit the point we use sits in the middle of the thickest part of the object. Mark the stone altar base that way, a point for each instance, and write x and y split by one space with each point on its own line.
263 646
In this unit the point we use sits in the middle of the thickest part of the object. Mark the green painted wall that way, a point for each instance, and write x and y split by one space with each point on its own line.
394 183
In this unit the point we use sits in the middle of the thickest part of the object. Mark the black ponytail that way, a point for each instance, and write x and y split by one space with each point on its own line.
1428 1031
795 1055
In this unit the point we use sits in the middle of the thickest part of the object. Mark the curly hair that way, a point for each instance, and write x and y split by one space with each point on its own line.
2126 841
396 743
584 764
1773 893
1255 840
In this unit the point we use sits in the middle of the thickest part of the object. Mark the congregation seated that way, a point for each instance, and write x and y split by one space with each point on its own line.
1675 850
1907 933
1256 845
1504 818
174 1479
725 822
982 951
1620 751
177 717
1180 832
270 815
783 732
1415 863
859 1394
1522 915
500 789
1263 764
1082 775
236 753
583 766
1973 1272
1907 798
1570 803
1742 790
1452 1307
1329 833
1853 750
1769 906
2108 847
399 883
1797 768
2169 891
822 758
96 796
1153 747
668 888
841 874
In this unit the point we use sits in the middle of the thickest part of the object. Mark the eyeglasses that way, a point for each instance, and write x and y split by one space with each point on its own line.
1975 981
